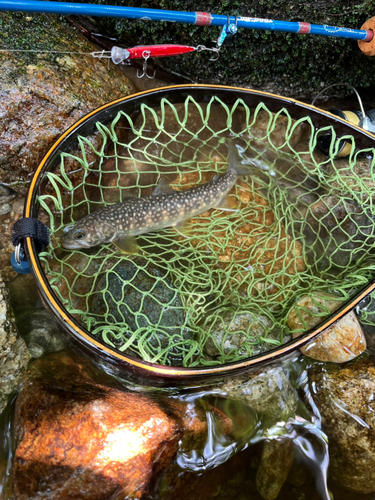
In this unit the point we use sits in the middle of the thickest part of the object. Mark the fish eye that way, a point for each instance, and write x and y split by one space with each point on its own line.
78 235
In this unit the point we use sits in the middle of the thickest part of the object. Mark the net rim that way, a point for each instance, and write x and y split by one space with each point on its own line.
86 339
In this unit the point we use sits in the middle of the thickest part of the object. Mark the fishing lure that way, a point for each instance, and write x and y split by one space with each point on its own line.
123 56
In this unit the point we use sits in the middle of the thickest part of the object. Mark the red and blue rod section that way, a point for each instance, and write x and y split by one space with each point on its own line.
197 18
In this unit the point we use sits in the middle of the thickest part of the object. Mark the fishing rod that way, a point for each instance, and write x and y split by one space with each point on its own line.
364 35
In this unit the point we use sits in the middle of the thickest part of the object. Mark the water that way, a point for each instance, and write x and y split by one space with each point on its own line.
226 465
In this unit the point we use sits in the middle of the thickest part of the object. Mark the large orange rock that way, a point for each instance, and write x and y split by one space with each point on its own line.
81 437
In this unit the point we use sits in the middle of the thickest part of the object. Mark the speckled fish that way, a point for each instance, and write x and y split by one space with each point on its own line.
121 222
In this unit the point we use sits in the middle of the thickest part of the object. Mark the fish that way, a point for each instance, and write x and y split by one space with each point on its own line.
165 207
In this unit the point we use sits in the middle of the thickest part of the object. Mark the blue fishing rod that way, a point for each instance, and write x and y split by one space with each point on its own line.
364 35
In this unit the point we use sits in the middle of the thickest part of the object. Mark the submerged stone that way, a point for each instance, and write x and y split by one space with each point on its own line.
138 295
276 460
44 333
338 231
239 333
269 392
81 435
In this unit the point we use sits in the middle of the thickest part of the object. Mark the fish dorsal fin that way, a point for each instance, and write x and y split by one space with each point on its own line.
128 244
163 188
127 194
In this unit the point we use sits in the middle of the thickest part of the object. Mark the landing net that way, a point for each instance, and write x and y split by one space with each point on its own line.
303 226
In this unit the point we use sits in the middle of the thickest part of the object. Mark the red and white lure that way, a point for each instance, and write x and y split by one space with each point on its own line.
122 56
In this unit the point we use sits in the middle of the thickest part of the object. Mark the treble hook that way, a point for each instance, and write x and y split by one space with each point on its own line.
200 48
145 55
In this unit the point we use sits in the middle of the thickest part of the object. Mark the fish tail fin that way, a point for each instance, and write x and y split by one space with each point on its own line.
243 166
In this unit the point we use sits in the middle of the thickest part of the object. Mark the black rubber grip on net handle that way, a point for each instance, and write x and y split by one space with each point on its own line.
28 227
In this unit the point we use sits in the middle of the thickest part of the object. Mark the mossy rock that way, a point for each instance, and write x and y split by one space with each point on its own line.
43 93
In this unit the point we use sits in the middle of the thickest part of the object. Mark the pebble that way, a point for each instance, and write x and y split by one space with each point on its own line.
44 334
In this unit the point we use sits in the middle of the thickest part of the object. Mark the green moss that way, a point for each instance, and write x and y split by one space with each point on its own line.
39 32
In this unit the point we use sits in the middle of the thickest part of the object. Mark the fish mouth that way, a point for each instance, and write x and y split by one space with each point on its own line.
74 246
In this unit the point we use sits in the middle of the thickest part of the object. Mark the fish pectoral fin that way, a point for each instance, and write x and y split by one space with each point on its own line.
228 203
185 228
128 244
163 188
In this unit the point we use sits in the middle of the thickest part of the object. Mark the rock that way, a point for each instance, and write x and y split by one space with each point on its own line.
345 400
277 458
45 334
13 352
74 275
136 296
6 193
341 342
268 392
43 94
80 435
239 333
338 231
277 130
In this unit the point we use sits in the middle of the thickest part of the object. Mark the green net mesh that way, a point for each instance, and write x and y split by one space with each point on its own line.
303 227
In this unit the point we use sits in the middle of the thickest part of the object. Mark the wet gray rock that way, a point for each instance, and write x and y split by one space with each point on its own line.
45 334
345 400
42 95
275 463
14 355
269 392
